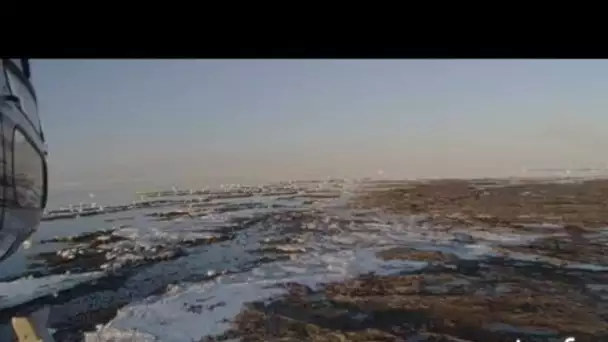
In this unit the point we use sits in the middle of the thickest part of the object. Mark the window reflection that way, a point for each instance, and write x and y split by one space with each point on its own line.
28 172
27 100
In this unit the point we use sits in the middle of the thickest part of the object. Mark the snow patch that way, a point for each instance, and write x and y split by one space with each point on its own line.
26 289
188 313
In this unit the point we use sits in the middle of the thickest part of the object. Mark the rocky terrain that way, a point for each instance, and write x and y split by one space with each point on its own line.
445 260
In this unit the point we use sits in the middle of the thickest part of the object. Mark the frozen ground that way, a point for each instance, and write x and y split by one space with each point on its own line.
182 270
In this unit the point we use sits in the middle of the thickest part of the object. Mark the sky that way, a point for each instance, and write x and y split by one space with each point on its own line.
209 121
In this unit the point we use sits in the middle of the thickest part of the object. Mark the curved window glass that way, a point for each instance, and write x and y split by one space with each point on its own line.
28 172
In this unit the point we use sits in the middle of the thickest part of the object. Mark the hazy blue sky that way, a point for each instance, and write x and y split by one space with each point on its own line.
212 120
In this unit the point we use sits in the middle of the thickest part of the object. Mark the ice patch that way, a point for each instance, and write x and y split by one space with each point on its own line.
504 237
188 315
587 267
115 335
600 290
501 327
26 289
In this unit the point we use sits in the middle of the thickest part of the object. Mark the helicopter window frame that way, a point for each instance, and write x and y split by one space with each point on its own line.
28 104
18 63
18 81
43 166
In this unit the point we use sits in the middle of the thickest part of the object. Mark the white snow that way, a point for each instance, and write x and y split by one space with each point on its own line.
167 318
26 289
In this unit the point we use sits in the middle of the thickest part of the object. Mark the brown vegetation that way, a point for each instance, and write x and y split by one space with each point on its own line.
458 202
